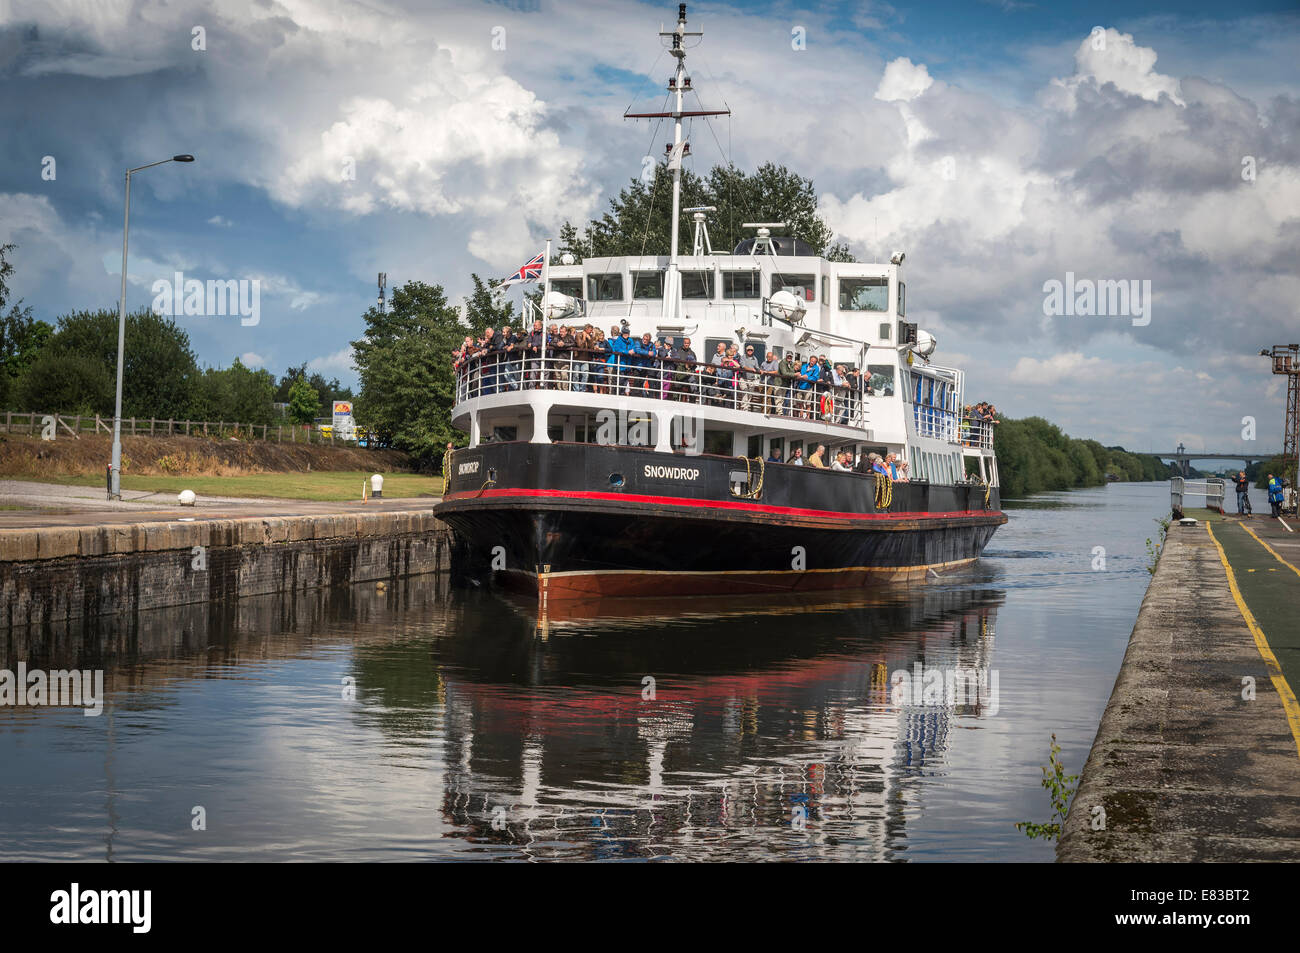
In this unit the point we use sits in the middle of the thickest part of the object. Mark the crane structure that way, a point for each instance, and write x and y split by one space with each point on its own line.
1286 360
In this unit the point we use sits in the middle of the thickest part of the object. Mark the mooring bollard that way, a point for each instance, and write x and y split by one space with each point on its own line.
377 486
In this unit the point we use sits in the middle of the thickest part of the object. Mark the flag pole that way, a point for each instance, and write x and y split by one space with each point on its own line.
546 273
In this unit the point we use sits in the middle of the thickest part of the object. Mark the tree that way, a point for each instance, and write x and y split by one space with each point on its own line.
404 362
327 391
159 369
639 219
304 402
237 394
21 337
65 383
485 309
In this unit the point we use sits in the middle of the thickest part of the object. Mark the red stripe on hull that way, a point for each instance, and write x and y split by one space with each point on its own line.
709 504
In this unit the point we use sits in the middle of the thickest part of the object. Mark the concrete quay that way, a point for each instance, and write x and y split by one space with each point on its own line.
1197 757
59 567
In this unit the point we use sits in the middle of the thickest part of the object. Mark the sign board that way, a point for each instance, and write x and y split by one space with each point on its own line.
343 423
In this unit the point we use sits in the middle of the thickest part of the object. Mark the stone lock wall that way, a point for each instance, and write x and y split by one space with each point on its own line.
57 573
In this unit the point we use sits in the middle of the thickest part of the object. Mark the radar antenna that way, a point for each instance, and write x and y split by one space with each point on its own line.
763 239
701 245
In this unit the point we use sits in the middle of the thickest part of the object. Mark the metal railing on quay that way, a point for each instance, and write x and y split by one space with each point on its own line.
1212 489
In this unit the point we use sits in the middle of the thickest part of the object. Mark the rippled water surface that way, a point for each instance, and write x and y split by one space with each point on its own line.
425 722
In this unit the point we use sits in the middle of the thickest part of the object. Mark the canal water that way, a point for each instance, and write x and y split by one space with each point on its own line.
425 722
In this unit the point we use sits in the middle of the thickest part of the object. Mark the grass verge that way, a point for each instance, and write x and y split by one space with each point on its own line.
325 486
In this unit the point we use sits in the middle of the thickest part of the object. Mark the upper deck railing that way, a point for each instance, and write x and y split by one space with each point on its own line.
662 378
976 432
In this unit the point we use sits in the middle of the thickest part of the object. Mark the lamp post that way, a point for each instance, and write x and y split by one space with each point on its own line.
115 471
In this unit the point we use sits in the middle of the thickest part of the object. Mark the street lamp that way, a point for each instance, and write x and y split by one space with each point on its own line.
115 471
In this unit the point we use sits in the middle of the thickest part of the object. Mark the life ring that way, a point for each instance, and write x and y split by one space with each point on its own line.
828 406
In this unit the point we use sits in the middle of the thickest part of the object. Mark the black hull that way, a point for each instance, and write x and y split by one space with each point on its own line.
581 520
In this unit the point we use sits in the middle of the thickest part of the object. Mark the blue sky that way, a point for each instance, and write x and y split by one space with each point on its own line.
1122 163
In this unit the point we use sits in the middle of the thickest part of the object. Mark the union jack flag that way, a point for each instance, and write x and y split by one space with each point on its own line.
529 272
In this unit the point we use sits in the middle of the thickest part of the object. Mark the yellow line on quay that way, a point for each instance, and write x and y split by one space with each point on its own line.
1271 550
1261 643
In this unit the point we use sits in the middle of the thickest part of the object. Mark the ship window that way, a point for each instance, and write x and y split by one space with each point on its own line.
647 284
754 446
740 284
884 332
605 287
717 441
881 378
826 283
697 284
505 434
804 286
902 299
711 348
555 433
567 286
864 294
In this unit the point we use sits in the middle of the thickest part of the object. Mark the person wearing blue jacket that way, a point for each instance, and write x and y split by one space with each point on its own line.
1275 494
643 356
809 373
620 349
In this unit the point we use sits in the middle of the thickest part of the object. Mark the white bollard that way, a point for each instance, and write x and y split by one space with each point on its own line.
377 487
186 498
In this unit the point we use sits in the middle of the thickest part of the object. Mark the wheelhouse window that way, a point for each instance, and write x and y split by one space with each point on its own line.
803 286
884 331
740 284
567 286
647 284
864 294
697 284
902 299
881 379
605 287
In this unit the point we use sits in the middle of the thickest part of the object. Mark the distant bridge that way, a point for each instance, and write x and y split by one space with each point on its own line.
1184 457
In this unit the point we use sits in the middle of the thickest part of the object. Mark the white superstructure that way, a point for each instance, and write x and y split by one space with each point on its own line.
771 292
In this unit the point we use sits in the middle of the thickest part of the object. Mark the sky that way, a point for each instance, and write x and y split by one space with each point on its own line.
1001 145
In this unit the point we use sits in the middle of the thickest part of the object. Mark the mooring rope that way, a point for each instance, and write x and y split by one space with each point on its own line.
884 491
756 490
446 471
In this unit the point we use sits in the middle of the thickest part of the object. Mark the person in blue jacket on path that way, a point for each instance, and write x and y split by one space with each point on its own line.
1275 494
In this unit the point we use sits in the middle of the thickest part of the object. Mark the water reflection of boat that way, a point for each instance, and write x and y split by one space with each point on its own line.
574 614
748 733
766 715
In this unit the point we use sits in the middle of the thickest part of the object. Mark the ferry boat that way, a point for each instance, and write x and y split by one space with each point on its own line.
595 474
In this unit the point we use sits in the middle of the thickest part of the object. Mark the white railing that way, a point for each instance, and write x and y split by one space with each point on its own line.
976 432
658 378
1211 489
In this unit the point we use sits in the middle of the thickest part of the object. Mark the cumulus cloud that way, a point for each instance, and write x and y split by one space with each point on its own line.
903 80
398 139
338 364
1110 57
1057 369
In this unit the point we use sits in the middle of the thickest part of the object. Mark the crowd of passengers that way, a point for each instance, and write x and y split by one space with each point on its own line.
976 421
582 359
871 462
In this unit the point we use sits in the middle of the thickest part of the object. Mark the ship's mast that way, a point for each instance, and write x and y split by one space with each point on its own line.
678 85
671 293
